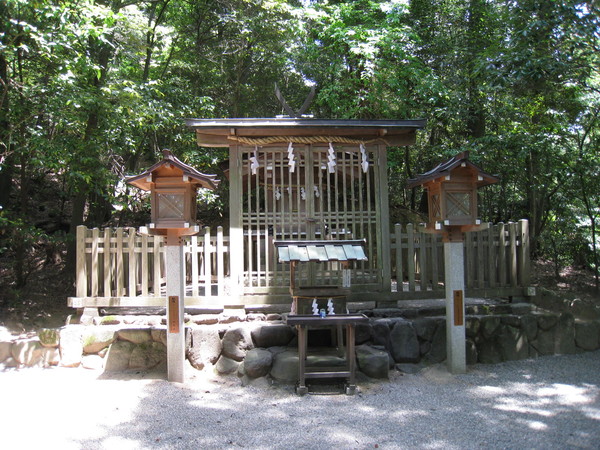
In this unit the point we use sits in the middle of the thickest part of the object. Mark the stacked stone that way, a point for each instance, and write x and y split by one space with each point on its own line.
260 348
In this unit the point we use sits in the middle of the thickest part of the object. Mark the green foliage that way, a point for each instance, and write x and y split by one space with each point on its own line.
91 91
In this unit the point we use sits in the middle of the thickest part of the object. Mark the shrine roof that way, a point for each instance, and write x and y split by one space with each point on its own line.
170 165
225 132
444 169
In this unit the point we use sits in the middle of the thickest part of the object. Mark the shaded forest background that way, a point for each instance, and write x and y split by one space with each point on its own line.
91 91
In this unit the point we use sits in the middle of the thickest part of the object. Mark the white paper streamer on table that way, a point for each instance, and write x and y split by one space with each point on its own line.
331 159
254 164
365 158
316 189
291 158
277 193
302 193
315 307
330 310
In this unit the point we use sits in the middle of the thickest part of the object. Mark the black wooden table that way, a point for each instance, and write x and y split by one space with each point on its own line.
349 321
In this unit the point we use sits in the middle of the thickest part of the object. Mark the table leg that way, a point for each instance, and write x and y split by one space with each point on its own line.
301 389
351 358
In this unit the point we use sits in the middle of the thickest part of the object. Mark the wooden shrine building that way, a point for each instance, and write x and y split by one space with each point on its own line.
306 179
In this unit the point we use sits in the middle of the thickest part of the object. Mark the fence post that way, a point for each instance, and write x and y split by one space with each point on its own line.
132 263
94 266
399 265
492 257
512 236
501 254
423 260
195 268
144 273
81 284
410 263
207 266
469 260
435 273
156 279
108 267
220 268
524 256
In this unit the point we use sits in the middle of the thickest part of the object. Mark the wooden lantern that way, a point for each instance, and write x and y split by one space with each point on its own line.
173 187
452 193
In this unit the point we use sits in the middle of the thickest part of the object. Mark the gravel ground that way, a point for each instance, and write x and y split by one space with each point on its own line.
550 402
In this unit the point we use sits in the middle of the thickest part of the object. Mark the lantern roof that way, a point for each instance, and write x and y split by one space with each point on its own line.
170 166
444 169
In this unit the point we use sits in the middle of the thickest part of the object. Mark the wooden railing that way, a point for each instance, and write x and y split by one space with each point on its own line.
124 263
123 267
496 259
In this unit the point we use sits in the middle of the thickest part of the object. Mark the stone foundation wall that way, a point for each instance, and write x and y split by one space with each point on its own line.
258 345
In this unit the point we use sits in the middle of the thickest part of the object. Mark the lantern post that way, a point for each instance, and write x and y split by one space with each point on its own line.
452 202
173 187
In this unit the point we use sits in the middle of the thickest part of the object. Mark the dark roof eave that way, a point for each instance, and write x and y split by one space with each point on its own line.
304 123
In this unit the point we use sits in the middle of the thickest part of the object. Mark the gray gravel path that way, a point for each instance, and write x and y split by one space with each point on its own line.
550 402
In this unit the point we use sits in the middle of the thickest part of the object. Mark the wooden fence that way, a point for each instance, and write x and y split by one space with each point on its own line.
496 260
122 267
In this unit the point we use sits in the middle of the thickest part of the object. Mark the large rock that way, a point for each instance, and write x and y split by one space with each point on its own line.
565 335
226 366
425 328
205 319
5 350
160 335
547 321
529 325
404 345
381 332
488 352
135 335
258 362
372 362
285 366
147 355
27 352
511 320
489 326
587 335
585 309
71 345
232 315
205 347
364 333
438 350
472 326
96 339
544 342
276 335
49 337
512 343
520 309
119 354
470 352
236 342
50 356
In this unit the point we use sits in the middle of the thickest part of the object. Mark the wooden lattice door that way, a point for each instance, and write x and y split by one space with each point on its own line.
306 192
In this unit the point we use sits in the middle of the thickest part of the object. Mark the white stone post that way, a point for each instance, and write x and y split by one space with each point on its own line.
174 264
455 306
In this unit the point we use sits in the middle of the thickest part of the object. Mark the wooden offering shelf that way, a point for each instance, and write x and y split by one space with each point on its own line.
349 321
